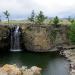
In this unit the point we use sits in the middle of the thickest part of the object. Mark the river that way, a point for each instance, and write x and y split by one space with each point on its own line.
51 63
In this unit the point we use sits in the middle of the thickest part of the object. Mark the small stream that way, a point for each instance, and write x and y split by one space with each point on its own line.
51 63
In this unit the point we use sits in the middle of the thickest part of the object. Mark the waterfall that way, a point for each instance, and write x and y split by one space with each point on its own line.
15 39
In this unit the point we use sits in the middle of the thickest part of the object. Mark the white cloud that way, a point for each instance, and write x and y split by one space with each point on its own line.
49 7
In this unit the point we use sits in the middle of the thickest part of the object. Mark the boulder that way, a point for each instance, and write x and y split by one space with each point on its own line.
10 70
14 70
34 70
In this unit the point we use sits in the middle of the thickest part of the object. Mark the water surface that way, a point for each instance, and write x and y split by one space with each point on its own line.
51 63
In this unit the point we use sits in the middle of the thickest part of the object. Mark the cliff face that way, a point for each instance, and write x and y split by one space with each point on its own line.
36 39
42 38
4 38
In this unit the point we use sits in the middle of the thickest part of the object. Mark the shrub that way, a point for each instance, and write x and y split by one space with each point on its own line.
71 33
56 20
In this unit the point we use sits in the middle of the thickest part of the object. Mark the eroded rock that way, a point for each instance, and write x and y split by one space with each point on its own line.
14 70
32 71
10 70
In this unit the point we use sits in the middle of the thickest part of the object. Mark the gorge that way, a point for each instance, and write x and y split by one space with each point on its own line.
35 51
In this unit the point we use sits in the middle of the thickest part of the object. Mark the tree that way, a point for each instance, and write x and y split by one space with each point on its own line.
69 18
72 21
56 20
40 18
0 18
32 18
6 13
71 33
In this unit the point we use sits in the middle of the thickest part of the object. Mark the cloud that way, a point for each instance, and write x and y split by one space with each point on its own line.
23 8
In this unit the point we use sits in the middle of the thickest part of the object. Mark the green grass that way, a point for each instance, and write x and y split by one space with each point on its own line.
14 22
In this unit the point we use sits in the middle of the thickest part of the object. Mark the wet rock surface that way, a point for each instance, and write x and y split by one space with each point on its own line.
4 37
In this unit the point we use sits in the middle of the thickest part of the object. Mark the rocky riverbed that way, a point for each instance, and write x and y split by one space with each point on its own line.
14 70
70 54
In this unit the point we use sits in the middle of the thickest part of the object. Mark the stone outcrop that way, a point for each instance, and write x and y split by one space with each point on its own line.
70 54
43 38
32 71
36 39
14 70
9 70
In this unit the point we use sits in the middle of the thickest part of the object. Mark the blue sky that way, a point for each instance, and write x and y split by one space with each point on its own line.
21 9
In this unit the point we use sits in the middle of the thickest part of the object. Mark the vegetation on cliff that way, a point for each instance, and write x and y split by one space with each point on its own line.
71 33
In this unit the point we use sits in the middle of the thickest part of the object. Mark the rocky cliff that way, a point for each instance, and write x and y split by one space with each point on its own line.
4 38
43 38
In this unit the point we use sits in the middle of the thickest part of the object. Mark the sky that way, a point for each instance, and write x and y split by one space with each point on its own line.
21 9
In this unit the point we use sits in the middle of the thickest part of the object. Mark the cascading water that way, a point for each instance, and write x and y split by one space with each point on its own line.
15 39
